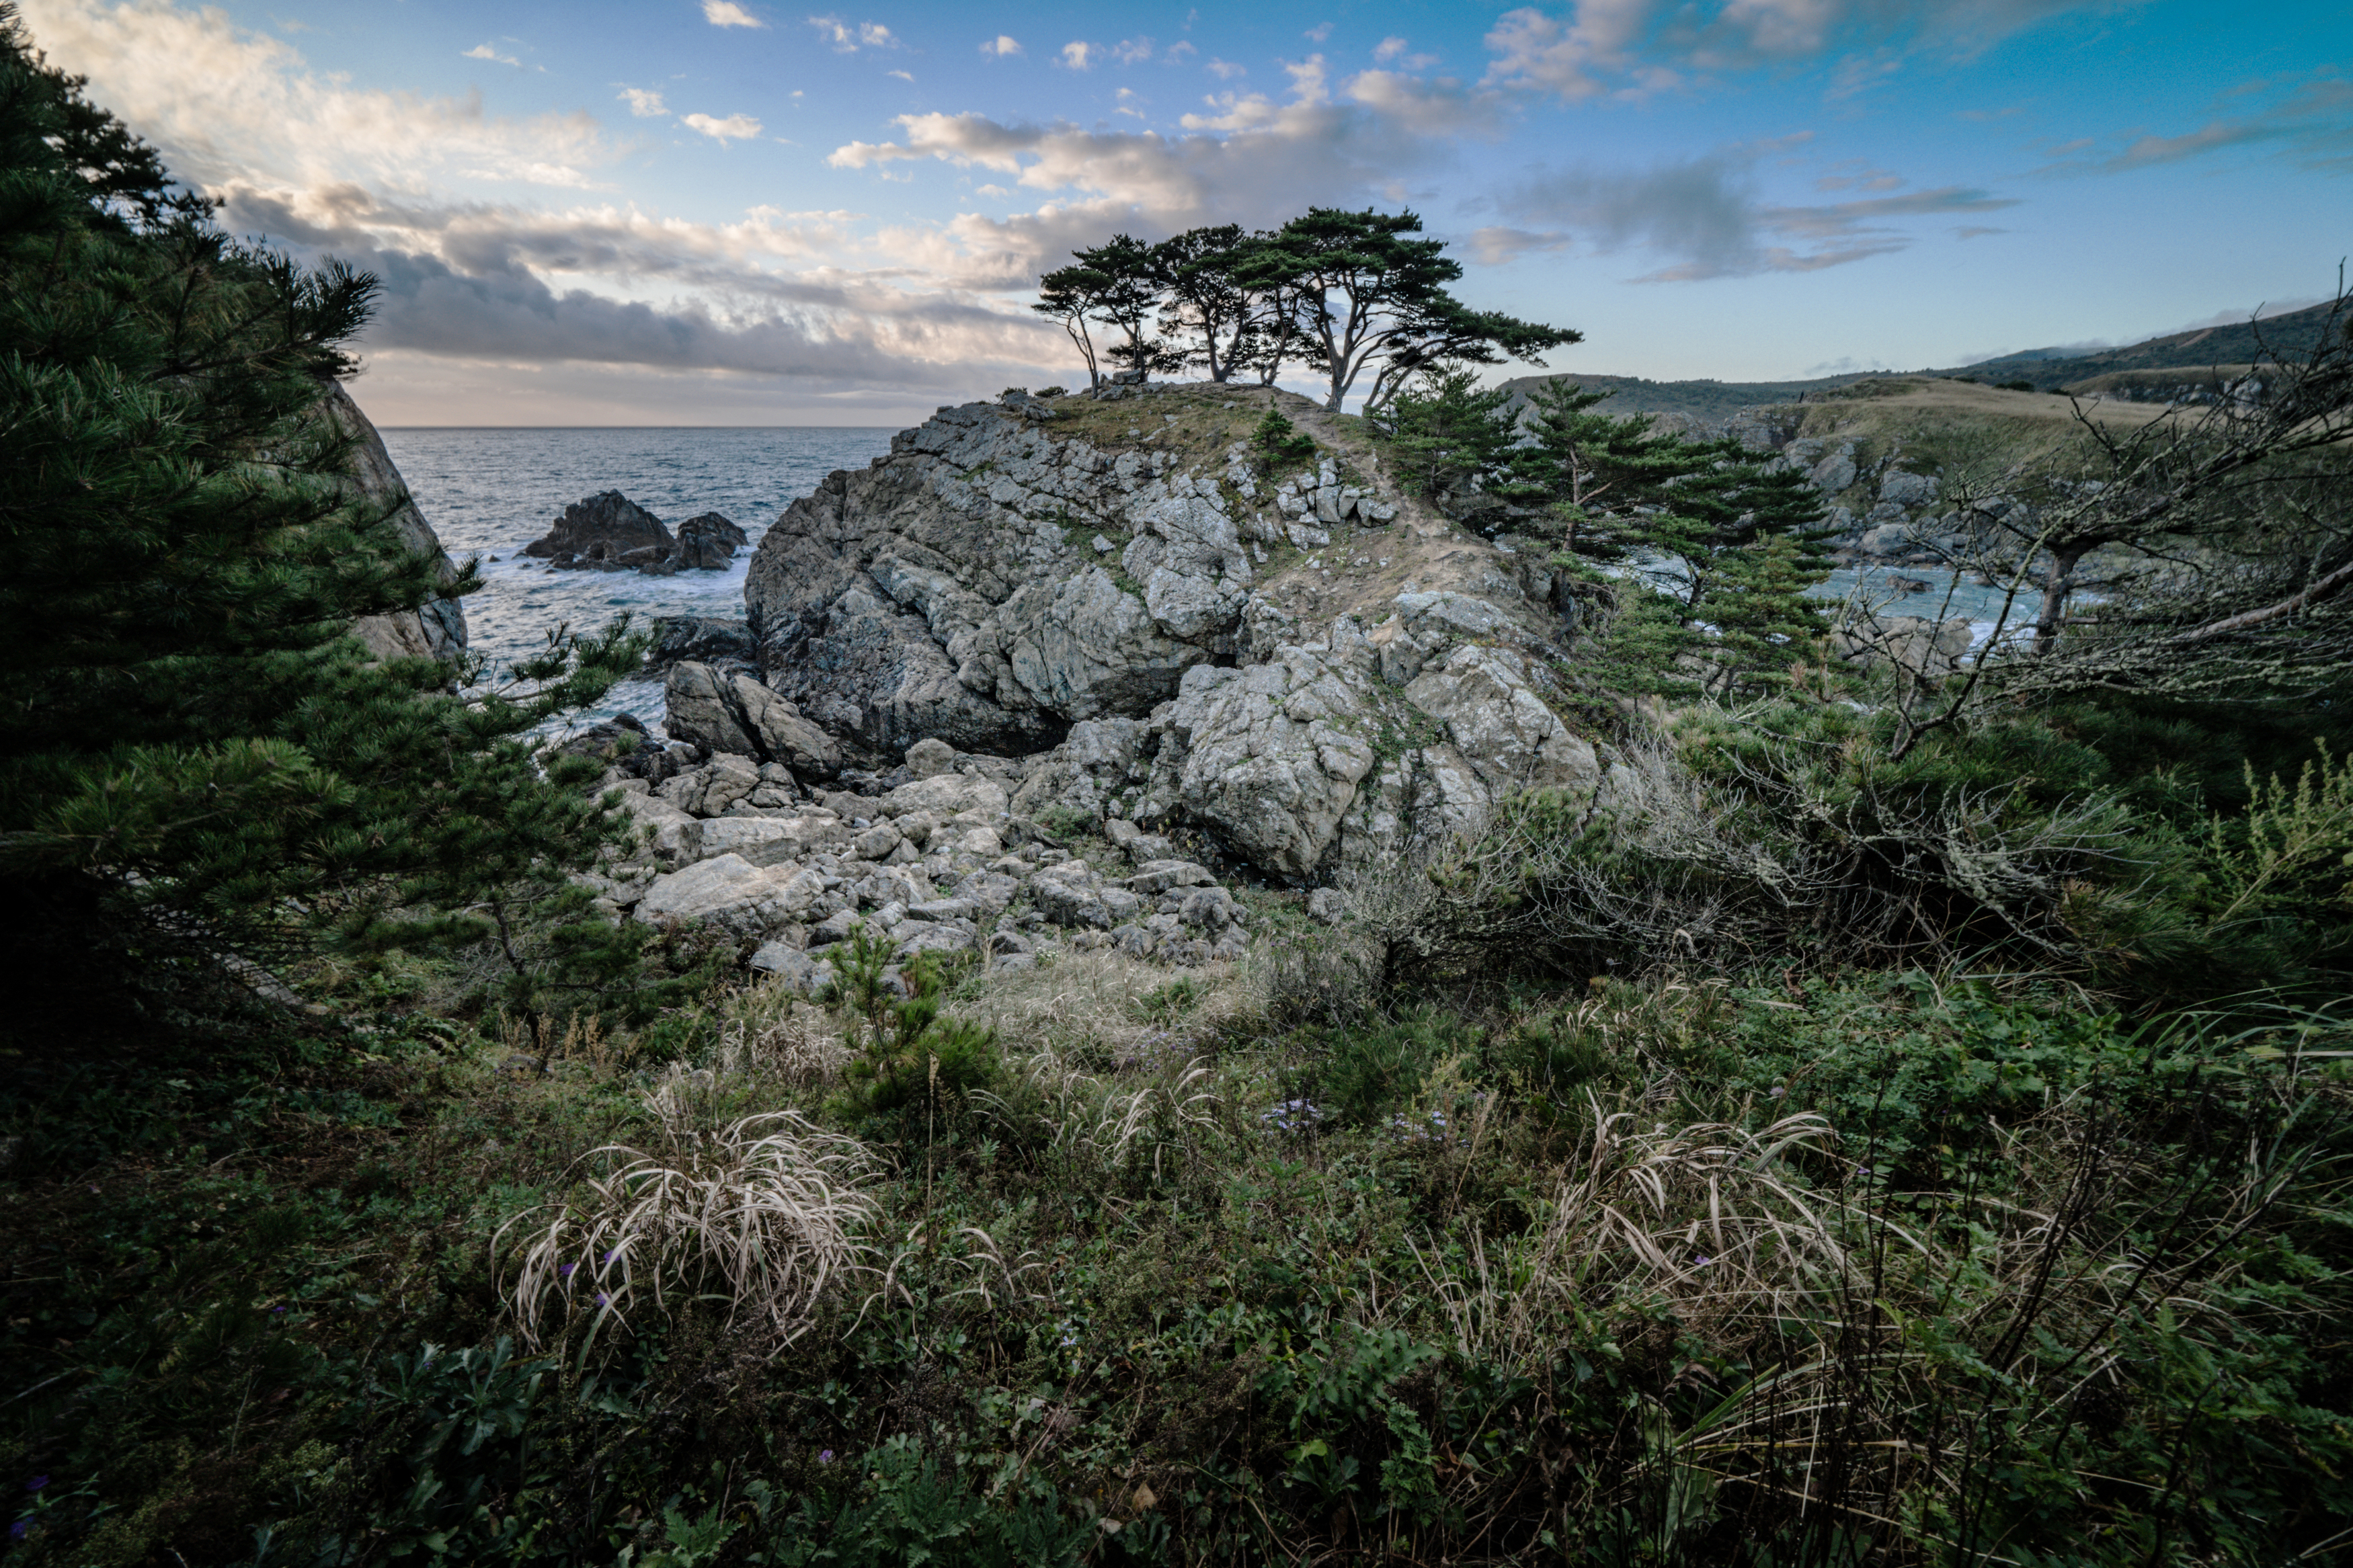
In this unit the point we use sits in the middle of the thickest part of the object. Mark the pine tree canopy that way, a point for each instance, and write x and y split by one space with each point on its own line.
193 746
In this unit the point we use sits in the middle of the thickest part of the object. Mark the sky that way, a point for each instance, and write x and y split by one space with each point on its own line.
743 211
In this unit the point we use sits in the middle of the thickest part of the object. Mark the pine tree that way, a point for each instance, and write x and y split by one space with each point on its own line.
197 760
1452 438
1588 473
1766 626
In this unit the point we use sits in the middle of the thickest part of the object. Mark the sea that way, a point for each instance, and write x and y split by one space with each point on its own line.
488 492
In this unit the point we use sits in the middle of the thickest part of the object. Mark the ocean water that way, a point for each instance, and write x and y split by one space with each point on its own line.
488 493
1949 596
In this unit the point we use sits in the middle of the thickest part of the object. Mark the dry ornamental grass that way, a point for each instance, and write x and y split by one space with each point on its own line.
764 1213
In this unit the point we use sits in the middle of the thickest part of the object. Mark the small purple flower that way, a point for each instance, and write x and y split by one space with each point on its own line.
603 1300
1778 1092
277 1311
1701 1260
21 1529
610 1252
37 1483
565 1267
825 1457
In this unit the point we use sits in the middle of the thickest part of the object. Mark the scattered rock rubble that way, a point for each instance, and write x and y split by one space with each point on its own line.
939 864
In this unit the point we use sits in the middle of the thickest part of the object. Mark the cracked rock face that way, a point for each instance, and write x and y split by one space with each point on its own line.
435 630
953 591
1266 756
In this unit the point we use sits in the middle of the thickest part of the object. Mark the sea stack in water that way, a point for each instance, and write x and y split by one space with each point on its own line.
707 543
610 532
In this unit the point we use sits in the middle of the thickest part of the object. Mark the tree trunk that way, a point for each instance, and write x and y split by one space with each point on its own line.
2056 588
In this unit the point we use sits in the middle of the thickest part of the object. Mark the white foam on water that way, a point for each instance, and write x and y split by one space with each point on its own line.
490 492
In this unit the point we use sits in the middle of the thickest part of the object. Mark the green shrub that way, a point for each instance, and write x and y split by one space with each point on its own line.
1370 1070
908 1053
911 1511
1280 442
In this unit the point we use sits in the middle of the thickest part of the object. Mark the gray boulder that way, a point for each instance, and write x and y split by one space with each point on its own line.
1899 488
734 894
1267 757
794 969
737 715
1501 726
951 591
1933 649
713 640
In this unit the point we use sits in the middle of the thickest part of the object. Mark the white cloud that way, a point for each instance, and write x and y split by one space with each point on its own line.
1178 53
1634 48
1443 107
1318 34
735 128
485 52
1225 70
1394 52
222 100
902 76
1079 56
1251 160
847 39
1133 51
490 289
1497 245
491 283
727 14
1001 46
644 103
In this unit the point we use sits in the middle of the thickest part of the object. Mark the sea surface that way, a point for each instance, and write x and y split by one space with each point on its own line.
488 493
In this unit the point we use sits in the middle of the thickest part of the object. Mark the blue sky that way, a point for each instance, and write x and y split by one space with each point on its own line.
742 212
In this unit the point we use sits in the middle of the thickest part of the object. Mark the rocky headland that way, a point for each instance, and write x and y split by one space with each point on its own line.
1096 621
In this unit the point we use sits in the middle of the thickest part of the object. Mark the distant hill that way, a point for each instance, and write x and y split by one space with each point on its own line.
2153 367
2201 348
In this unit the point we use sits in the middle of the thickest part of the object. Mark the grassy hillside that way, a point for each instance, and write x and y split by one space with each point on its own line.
1951 425
2155 366
2201 348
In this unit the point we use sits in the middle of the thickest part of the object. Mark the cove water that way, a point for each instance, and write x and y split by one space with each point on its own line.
488 493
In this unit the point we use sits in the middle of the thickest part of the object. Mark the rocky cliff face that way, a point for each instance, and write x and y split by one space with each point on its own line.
437 630
1306 669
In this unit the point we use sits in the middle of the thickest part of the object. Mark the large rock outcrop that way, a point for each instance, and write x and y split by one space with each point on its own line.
438 629
989 586
1308 675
